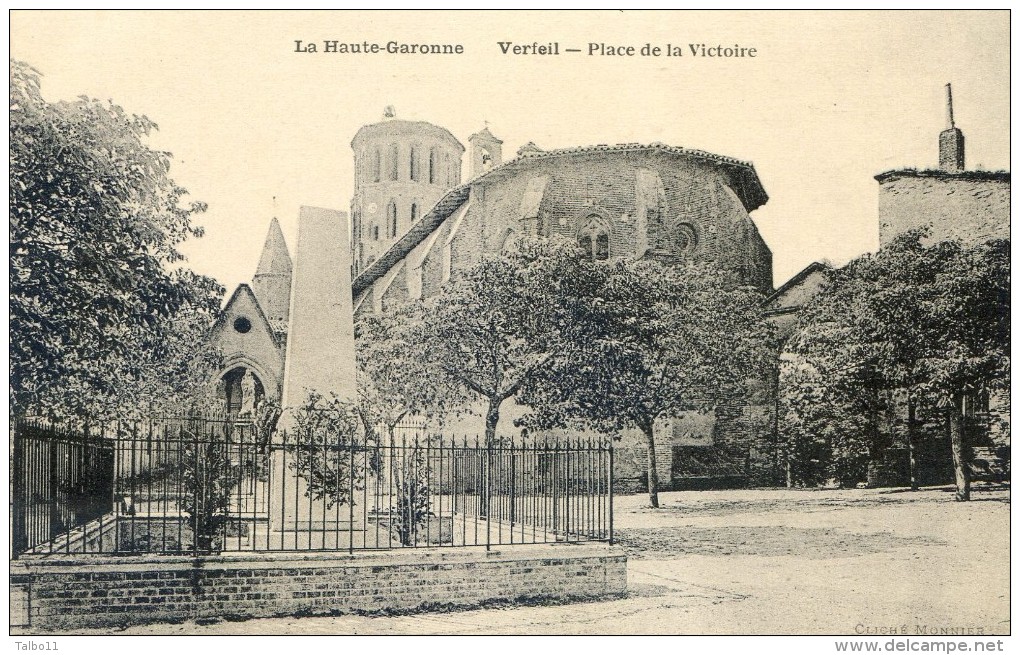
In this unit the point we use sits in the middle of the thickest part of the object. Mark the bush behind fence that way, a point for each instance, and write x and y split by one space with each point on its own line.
202 486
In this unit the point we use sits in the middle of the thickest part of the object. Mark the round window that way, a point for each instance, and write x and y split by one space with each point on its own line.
686 238
242 325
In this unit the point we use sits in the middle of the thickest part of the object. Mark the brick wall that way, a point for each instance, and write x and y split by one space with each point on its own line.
70 592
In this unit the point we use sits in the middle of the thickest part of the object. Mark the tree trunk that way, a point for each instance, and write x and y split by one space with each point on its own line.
959 449
491 421
911 451
653 472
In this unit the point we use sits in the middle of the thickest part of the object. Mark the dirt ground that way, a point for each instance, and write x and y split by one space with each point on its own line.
758 562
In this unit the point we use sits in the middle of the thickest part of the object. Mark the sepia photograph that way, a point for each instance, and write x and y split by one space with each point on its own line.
418 322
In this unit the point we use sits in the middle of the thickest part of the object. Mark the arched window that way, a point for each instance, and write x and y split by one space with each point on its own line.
509 241
394 162
391 220
375 232
376 165
414 212
414 163
243 390
593 237
433 164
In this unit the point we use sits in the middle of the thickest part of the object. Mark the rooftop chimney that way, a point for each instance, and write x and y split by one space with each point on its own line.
950 140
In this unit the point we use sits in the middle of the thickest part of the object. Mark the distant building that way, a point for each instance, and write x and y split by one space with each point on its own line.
616 201
972 206
401 169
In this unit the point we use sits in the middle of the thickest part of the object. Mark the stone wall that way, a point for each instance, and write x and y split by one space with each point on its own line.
972 207
70 592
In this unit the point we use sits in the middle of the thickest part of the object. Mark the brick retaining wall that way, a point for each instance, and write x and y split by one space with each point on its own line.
65 593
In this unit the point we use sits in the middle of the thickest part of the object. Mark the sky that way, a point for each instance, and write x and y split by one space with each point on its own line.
258 129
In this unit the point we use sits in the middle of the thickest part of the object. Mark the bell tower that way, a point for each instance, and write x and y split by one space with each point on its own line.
401 170
271 283
486 151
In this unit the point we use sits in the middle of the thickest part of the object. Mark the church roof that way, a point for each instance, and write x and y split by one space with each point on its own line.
275 258
747 186
484 133
400 125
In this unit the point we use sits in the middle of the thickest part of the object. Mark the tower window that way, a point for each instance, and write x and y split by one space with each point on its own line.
376 165
414 212
394 163
375 232
391 220
414 164
433 164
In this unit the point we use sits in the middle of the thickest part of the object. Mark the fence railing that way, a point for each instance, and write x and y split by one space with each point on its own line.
200 486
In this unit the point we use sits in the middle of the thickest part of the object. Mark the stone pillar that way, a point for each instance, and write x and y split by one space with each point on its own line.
320 341
320 357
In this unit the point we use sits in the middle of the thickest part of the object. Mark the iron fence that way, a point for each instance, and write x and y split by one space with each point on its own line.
202 486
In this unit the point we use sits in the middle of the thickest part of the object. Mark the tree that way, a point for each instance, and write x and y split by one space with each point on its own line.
829 429
655 340
395 380
208 478
504 323
413 495
324 441
103 319
928 323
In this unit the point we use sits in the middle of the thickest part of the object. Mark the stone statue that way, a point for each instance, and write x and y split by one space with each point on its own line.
247 394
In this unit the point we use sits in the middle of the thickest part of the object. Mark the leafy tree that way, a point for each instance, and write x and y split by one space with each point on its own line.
925 322
395 380
504 323
208 477
103 320
413 495
653 341
829 432
324 442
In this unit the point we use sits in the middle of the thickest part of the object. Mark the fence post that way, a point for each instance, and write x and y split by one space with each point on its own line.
610 491
350 503
19 537
487 474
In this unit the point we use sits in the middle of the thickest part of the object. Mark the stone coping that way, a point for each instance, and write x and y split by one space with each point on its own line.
85 562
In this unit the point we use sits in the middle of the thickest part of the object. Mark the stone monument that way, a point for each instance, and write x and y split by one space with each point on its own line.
320 358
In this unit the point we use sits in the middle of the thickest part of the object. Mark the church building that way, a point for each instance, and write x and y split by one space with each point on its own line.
628 200
251 331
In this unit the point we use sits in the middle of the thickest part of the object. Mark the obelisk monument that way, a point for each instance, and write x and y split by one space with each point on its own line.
320 358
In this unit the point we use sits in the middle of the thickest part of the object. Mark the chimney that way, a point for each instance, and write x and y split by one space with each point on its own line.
950 140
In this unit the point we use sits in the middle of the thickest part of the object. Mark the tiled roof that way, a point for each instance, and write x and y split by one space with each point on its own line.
795 280
431 221
415 125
